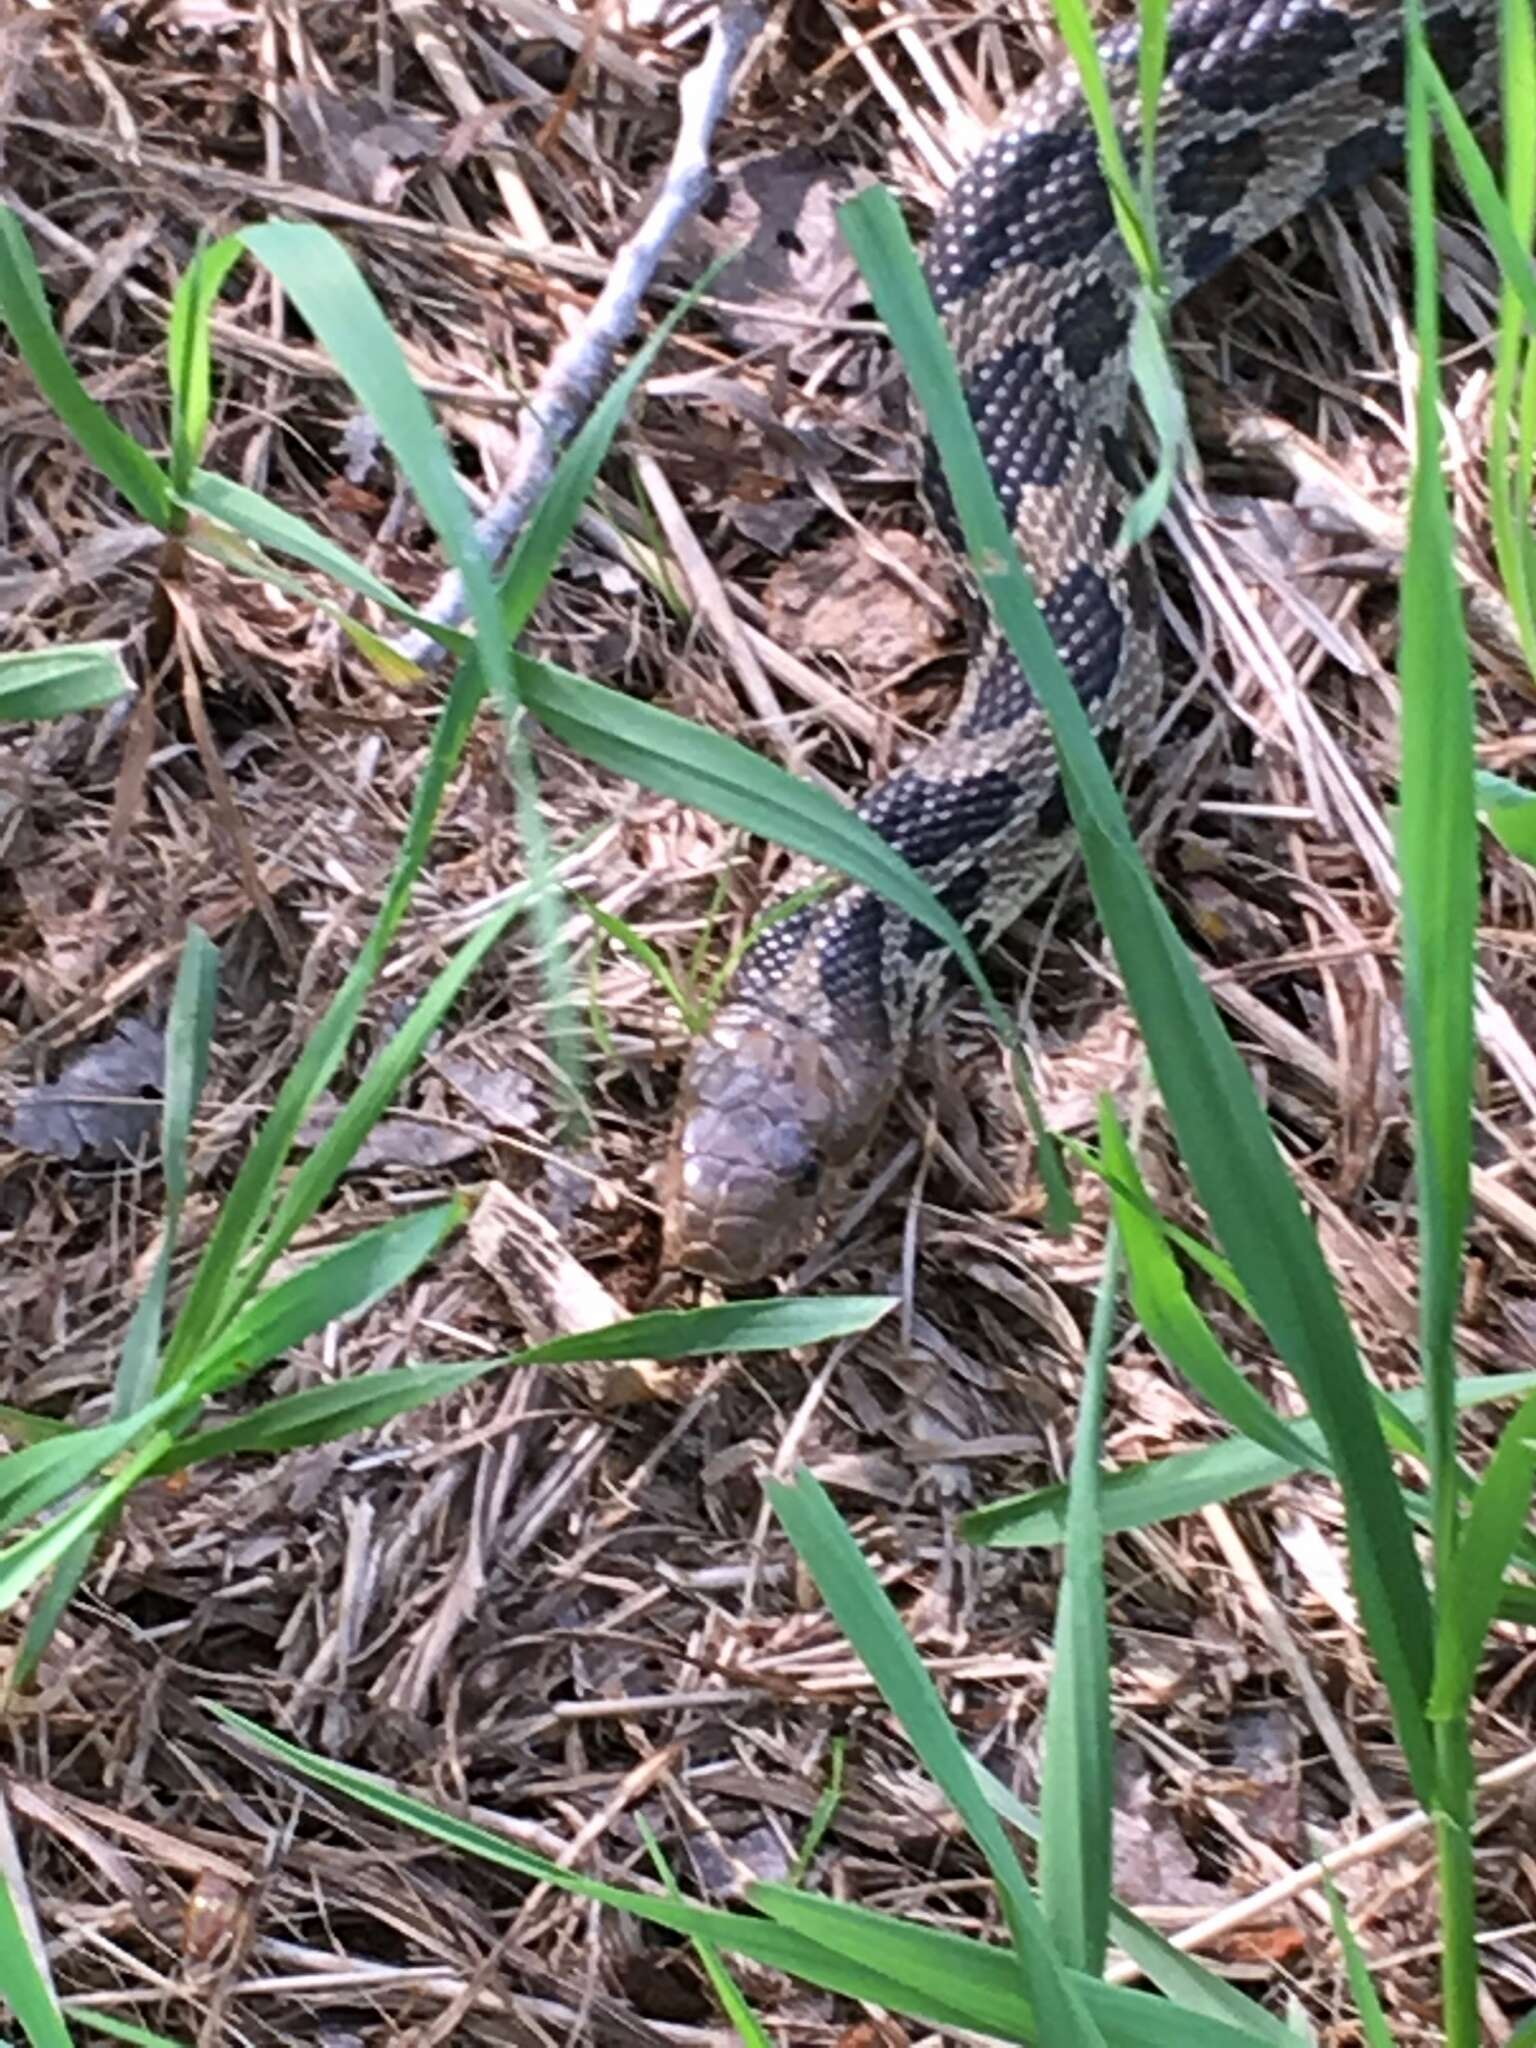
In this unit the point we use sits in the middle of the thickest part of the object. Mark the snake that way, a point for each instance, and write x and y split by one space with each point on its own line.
1267 107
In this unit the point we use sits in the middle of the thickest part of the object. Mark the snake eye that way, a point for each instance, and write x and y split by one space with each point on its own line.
808 1175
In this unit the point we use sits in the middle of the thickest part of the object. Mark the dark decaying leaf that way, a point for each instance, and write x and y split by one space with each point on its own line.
780 211
107 1101
775 525
1264 1786
429 1138
357 145
1154 1862
504 1096
879 602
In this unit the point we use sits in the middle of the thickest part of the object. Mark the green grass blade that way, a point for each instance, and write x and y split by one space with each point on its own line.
543 540
1474 1582
189 1034
28 1428
24 310
24 1988
188 1044
324 1414
1162 395
321 1172
1509 812
1168 1314
1181 1333
1078 33
30 1557
934 1970
1191 1987
1141 1495
1151 360
120 2030
981 1981
931 1961
1178 1976
1436 853
1437 862
134 1390
1368 2008
1495 218
342 1282
1137 1496
188 1041
226 516
761 1939
824 1812
1200 1254
1512 440
247 1206
37 1478
1077 1780
48 1609
1508 226
1151 69
639 948
189 357
1222 1131
666 1333
864 1612
53 682
677 758
522 586
1518 1604
317 272
724 1985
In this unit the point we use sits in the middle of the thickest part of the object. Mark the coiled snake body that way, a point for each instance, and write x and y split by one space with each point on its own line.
1266 108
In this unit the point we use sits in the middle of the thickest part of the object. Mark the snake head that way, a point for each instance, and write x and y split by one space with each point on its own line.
770 1113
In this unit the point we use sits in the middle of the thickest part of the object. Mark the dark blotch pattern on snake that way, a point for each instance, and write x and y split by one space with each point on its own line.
1266 108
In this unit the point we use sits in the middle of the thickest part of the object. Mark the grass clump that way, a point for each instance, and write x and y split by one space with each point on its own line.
1433 1564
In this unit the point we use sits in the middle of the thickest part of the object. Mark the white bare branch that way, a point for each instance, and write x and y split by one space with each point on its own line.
582 364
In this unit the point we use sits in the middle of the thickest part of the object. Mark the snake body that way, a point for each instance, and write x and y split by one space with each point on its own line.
1266 108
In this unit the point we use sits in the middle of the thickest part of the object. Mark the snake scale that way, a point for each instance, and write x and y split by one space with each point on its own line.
1266 108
